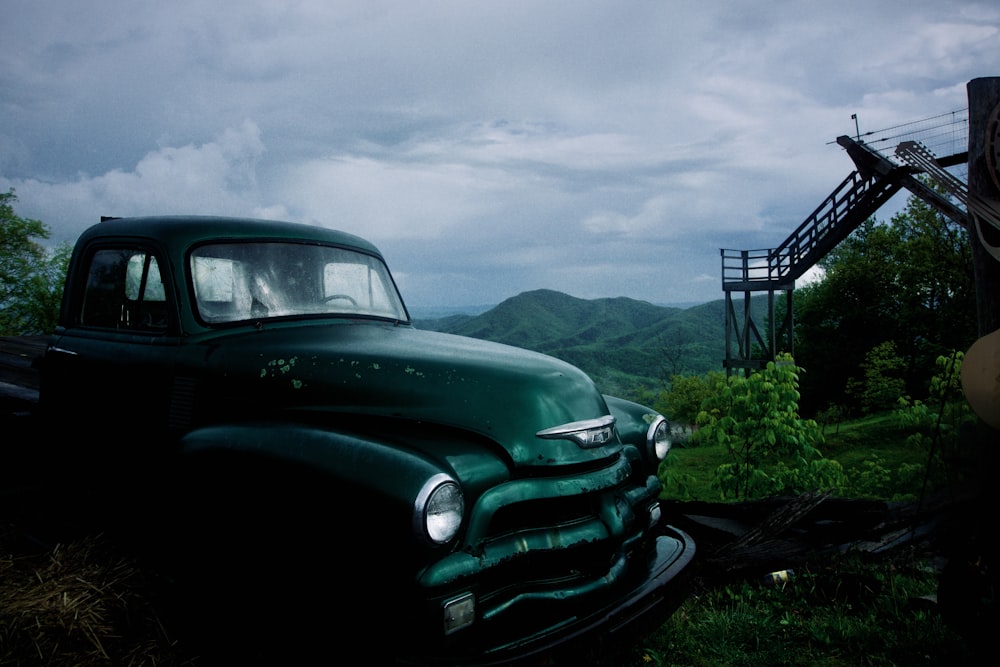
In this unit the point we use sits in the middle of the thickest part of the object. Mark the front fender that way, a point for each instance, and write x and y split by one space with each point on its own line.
386 470
268 514
632 420
350 497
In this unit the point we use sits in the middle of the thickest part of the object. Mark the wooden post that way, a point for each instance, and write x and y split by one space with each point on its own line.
972 566
984 181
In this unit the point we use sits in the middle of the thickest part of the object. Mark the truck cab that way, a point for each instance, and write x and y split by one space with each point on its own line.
311 465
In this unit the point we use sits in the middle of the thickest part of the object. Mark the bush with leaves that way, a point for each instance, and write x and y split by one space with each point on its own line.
773 450
939 421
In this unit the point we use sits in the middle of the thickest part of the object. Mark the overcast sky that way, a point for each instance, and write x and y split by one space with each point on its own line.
601 149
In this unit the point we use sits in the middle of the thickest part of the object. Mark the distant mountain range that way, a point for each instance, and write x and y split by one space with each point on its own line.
622 343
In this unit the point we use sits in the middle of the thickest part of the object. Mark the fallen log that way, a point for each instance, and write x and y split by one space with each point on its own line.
751 538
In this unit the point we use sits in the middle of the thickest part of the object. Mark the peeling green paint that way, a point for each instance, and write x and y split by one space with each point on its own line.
278 366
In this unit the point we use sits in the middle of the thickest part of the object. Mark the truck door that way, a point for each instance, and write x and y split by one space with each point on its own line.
109 369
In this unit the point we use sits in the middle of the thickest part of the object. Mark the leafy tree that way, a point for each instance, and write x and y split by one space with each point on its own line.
831 414
882 384
683 400
31 278
908 282
756 418
839 318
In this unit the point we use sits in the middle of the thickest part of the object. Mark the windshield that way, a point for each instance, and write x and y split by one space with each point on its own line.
234 282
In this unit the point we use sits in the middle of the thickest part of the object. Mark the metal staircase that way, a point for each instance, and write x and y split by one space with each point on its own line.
855 200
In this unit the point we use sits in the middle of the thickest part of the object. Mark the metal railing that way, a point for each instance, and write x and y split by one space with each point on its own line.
799 251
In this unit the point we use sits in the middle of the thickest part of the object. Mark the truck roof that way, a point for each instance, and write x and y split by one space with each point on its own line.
188 230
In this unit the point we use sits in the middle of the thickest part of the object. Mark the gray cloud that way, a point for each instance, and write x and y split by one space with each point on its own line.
598 148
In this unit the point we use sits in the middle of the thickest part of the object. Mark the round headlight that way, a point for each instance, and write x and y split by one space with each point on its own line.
439 509
658 439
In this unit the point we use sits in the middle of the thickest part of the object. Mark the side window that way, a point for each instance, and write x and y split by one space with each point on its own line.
124 291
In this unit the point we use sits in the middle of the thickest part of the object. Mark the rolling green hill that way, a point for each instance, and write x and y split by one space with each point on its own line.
623 344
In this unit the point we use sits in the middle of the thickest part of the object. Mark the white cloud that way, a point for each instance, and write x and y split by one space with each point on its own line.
218 178
384 199
592 146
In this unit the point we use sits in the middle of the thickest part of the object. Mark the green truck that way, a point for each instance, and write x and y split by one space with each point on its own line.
311 471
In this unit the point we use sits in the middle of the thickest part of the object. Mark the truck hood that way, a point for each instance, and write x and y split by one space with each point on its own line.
377 369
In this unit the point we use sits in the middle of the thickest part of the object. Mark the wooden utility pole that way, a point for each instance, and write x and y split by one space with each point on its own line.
984 184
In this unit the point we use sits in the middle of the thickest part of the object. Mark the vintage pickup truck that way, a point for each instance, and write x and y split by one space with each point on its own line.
252 398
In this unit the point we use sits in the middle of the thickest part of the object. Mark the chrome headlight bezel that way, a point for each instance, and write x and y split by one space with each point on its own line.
439 509
587 433
658 440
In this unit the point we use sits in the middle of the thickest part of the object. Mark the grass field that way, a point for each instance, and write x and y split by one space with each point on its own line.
849 611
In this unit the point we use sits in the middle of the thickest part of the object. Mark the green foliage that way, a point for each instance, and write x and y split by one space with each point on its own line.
687 473
832 414
756 420
682 480
682 402
872 457
882 384
938 422
874 479
807 475
31 278
907 282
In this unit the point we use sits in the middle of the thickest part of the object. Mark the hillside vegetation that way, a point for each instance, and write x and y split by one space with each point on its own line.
623 344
